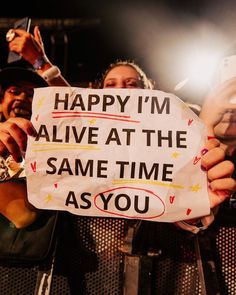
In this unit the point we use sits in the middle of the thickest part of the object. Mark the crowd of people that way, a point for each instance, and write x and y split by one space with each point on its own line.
86 260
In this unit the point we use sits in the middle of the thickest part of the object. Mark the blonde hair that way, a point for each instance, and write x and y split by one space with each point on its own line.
146 82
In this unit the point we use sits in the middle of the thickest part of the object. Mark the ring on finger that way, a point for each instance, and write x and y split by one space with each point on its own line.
10 35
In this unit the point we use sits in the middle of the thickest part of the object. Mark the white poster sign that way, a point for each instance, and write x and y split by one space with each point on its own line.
128 153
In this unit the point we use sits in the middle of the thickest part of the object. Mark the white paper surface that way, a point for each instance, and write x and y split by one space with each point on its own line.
128 153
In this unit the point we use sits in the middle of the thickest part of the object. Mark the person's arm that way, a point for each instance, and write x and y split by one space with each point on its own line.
220 184
215 106
14 203
31 48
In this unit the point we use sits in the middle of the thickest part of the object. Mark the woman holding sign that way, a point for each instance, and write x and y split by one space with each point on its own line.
108 243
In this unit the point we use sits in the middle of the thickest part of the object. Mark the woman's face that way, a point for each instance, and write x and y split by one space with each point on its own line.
17 100
122 76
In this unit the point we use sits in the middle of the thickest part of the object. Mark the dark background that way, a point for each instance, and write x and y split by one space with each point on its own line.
83 37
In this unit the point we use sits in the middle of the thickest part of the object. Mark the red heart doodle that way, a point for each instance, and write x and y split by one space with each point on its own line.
190 121
172 198
33 166
188 211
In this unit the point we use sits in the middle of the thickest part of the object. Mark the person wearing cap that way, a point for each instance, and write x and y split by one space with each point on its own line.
16 94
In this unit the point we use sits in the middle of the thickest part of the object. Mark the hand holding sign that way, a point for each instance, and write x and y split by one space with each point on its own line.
218 175
13 137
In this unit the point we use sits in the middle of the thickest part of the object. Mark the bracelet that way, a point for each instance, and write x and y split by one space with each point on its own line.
40 62
51 73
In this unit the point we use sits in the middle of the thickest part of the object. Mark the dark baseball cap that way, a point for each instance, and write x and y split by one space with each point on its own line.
11 75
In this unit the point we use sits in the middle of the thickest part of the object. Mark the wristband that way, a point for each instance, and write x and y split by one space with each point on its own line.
51 73
40 62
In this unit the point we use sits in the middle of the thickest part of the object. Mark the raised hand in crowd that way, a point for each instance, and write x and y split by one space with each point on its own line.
31 48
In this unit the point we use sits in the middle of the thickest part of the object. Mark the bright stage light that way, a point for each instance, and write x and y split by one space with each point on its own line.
199 66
